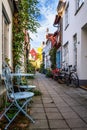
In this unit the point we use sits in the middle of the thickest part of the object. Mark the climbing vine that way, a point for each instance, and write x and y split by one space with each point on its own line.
52 54
25 18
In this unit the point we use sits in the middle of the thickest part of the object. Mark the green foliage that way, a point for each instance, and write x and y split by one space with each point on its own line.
36 92
31 68
29 13
48 73
41 70
53 57
3 102
25 18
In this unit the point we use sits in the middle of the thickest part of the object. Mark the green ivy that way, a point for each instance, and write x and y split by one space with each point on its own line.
25 18
52 54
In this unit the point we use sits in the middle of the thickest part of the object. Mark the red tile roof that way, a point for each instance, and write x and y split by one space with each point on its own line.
33 53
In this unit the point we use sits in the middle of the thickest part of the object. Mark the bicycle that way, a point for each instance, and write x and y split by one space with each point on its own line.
62 76
73 79
69 76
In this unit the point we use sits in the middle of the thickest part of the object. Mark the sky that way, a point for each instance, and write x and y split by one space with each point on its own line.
48 10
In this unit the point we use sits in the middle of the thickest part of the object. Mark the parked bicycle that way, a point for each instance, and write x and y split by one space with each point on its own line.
73 79
69 76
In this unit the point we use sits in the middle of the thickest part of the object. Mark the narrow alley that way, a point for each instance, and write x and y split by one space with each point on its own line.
59 108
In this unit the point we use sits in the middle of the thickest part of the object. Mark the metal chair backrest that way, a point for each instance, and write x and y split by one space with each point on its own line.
4 66
17 69
8 81
18 78
18 100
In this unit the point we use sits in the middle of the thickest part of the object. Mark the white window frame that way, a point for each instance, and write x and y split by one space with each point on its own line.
66 53
67 15
5 36
5 33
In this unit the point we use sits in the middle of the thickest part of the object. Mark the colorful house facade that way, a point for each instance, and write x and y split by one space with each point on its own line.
46 50
7 8
74 36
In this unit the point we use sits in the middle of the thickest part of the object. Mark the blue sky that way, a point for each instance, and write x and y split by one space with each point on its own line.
46 19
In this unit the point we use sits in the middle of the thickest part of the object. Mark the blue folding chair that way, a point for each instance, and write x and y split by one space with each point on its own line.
18 100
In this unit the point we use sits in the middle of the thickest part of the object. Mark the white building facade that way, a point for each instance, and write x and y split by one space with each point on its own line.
46 50
6 17
74 46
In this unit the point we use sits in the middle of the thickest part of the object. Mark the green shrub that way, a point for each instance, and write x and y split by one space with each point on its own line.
36 92
48 73
31 68
41 69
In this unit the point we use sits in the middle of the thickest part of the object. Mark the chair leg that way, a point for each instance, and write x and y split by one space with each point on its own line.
4 114
20 109
23 111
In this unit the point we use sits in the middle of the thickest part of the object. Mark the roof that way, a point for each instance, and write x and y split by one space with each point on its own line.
52 38
33 52
60 7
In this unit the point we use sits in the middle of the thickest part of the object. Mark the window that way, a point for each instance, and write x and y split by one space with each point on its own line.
5 26
75 49
48 63
66 53
5 33
79 4
58 59
67 16
65 49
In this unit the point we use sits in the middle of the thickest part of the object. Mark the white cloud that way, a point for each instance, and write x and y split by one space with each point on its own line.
48 12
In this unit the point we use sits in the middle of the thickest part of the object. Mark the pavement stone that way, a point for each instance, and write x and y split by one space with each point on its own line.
37 110
70 115
39 116
51 109
39 124
76 123
51 105
54 115
58 124
60 129
60 107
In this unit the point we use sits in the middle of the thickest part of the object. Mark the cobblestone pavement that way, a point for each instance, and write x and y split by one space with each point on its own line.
59 108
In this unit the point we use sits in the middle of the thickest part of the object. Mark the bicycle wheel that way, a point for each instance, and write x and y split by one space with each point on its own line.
61 78
74 81
67 79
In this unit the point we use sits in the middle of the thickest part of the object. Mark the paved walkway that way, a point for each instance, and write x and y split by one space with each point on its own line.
59 108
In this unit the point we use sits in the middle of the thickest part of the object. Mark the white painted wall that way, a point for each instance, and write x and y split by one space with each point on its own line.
10 15
76 22
9 50
46 50
0 36
84 55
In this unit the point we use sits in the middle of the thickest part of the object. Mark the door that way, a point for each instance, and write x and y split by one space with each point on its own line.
58 59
